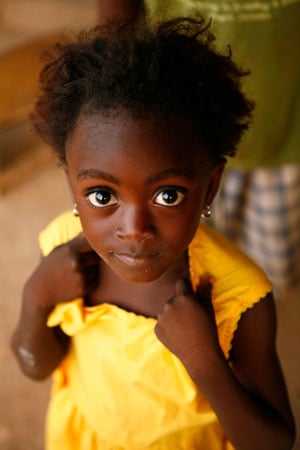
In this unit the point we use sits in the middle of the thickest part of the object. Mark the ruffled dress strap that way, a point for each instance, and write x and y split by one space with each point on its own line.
238 282
61 230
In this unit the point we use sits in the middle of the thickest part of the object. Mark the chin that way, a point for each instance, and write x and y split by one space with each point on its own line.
137 277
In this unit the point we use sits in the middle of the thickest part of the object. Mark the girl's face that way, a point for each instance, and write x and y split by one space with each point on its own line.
140 188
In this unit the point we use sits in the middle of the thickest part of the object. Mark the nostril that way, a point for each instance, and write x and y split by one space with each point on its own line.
134 235
134 223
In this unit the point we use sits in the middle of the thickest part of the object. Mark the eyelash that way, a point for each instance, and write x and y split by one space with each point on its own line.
92 196
111 198
172 189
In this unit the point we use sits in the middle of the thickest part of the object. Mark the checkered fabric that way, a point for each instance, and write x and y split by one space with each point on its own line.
259 210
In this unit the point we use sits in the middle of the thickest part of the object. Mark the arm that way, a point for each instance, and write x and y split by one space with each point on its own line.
249 398
68 272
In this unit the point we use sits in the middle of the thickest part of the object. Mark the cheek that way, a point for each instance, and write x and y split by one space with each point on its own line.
178 232
96 232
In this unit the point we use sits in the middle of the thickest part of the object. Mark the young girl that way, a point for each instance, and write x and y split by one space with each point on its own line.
170 341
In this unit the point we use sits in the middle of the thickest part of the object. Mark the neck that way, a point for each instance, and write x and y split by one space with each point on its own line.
145 299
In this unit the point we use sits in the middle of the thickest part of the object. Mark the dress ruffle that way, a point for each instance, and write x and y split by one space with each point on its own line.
241 286
73 316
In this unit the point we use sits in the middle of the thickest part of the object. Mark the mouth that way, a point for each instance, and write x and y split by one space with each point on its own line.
136 259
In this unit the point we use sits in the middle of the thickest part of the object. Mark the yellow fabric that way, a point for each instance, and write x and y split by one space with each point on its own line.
119 388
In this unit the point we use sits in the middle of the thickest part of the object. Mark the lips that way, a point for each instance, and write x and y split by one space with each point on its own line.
137 259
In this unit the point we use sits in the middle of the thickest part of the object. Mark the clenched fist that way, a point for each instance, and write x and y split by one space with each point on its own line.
186 325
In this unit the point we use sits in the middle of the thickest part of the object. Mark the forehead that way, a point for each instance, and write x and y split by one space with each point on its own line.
119 137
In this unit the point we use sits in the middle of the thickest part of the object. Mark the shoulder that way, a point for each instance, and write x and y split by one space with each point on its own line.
213 253
238 281
60 230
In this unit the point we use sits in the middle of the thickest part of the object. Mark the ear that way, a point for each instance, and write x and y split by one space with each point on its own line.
214 182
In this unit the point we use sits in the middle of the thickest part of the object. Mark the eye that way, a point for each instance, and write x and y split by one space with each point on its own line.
170 196
102 198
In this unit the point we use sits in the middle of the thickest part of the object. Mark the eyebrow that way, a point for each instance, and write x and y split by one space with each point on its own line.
99 174
182 173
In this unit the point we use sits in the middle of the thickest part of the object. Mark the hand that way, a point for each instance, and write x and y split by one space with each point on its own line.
71 270
187 327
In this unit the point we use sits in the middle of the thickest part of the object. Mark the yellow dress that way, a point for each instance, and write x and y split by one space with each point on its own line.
119 387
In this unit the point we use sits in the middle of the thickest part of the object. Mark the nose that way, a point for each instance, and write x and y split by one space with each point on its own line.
135 223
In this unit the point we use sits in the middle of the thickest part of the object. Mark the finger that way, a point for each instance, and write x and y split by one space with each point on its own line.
90 284
170 301
204 291
92 271
80 245
205 284
84 253
90 280
184 286
88 259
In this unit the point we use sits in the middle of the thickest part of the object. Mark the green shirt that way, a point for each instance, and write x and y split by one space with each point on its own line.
265 38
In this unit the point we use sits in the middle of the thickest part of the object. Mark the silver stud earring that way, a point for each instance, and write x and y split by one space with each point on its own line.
206 213
75 210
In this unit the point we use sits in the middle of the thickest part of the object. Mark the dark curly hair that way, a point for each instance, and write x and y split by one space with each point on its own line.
170 69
